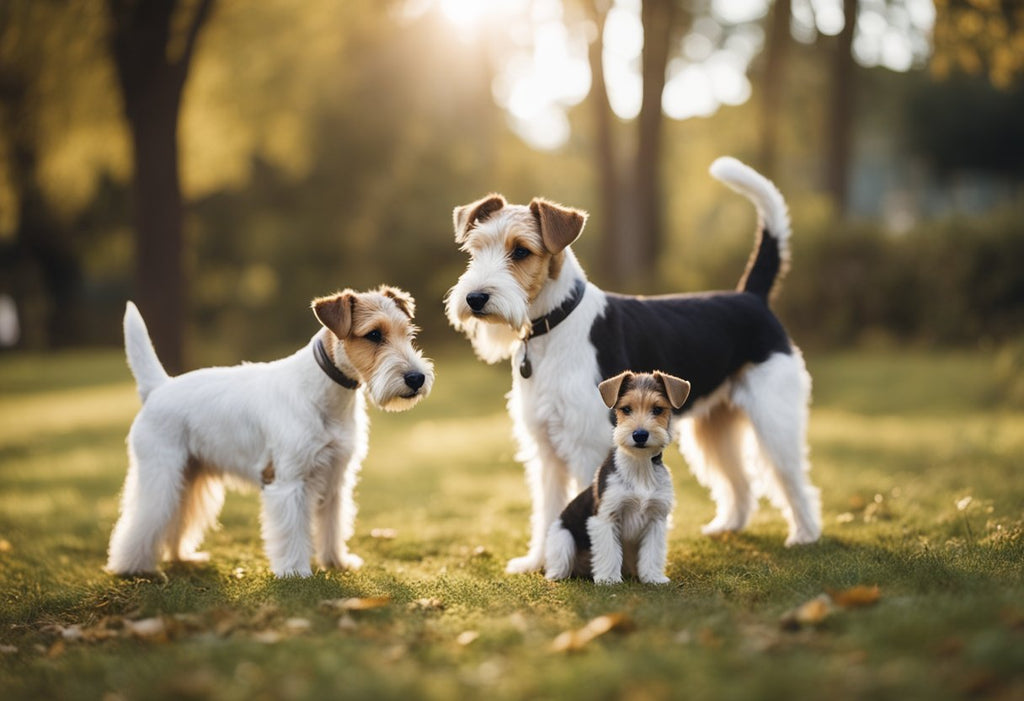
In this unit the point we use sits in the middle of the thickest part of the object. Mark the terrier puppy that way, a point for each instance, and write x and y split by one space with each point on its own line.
525 296
296 426
620 523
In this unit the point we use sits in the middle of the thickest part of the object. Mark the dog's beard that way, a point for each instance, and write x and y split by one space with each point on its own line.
495 332
389 391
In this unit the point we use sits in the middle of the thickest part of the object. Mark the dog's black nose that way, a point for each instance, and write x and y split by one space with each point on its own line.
477 300
640 436
414 379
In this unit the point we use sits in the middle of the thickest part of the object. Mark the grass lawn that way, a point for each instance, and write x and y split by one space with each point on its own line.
918 459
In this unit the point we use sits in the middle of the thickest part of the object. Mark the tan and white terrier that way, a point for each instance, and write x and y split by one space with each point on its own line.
297 427
619 524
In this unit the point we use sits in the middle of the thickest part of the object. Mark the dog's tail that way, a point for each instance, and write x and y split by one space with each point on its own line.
770 259
142 359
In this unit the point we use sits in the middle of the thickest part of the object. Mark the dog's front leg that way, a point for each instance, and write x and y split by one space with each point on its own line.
286 528
653 551
336 513
606 549
549 483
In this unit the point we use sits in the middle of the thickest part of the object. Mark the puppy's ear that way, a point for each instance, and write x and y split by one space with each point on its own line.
559 226
335 312
675 389
610 388
467 215
402 298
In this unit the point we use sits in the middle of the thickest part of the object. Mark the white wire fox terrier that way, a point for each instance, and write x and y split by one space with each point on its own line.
619 524
296 426
525 296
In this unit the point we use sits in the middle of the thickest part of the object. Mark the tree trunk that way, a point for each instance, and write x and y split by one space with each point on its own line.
840 125
152 81
644 242
772 84
605 156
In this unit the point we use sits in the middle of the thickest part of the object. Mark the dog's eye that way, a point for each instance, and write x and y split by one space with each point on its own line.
626 410
374 336
521 252
657 411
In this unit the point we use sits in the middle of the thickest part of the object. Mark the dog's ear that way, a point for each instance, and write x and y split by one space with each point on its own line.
559 226
610 388
335 311
467 215
676 390
402 298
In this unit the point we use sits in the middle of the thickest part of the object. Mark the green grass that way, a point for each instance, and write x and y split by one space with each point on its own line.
896 441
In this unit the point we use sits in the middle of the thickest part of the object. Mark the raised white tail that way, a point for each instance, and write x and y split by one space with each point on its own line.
770 258
142 359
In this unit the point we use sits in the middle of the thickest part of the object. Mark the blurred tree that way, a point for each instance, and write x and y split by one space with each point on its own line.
773 83
630 182
842 103
979 37
153 42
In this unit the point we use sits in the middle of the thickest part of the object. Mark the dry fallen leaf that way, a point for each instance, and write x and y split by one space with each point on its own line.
297 625
574 640
5 545
267 637
466 637
355 603
428 604
855 597
809 613
56 650
8 650
147 628
384 533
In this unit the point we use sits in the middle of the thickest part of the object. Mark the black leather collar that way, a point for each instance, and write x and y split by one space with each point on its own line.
329 368
557 315
541 326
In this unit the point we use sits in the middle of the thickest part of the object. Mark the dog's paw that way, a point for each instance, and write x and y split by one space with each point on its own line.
721 526
608 580
344 561
351 561
655 579
524 565
197 557
293 571
802 537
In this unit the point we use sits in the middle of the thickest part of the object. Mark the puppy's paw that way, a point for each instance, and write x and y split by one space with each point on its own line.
524 565
604 581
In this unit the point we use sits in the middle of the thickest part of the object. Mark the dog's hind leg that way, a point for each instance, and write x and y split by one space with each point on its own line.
150 502
715 454
201 501
775 395
286 528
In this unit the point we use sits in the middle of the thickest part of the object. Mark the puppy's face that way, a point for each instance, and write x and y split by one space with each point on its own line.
374 332
642 405
513 251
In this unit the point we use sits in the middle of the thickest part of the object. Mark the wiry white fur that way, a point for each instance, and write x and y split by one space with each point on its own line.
630 528
241 423
561 424
769 202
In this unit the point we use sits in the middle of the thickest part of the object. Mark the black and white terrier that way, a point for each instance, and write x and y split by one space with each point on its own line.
619 524
296 426
525 296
